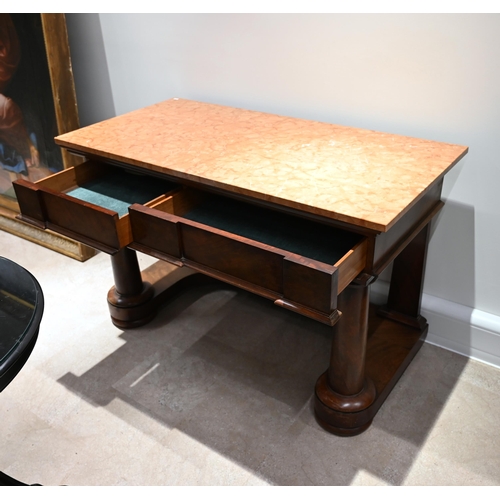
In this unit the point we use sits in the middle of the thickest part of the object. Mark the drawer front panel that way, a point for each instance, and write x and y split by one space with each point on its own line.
78 218
235 258
314 287
159 233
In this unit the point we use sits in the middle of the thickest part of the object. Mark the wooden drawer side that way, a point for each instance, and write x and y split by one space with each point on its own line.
352 264
71 177
180 201
29 194
94 223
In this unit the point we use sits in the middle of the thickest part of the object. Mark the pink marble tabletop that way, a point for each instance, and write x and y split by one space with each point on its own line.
362 177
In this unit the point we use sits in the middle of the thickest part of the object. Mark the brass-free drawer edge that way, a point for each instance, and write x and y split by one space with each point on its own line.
49 203
293 278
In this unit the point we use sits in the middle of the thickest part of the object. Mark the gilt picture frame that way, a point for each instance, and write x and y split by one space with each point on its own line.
37 103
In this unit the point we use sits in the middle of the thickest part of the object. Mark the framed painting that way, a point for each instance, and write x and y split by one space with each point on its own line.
37 103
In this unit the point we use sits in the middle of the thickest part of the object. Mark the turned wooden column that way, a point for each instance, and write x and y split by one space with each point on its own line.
343 390
126 272
405 292
129 300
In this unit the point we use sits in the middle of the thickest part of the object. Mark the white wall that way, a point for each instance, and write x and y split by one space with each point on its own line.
430 76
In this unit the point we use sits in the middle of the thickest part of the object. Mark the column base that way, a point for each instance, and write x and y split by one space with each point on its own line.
131 311
342 432
390 348
343 415
162 281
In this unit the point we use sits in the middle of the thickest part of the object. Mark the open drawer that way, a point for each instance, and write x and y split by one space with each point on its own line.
89 202
300 264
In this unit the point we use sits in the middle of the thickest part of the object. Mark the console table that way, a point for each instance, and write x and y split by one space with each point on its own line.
306 214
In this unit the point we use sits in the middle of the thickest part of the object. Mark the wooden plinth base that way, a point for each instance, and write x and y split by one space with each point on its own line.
391 347
162 282
133 311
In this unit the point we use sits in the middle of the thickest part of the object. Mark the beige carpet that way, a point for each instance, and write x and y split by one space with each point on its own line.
217 391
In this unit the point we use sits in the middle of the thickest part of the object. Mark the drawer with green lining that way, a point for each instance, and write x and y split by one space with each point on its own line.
89 202
300 264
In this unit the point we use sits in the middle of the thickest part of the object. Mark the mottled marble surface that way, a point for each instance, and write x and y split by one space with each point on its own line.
358 176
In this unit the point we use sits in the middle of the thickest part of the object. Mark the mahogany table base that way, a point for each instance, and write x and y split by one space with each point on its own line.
390 347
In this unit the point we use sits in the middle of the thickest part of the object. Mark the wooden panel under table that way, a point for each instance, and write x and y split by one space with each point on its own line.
89 202
300 264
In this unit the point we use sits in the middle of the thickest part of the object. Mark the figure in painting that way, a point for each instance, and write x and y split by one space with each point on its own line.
18 151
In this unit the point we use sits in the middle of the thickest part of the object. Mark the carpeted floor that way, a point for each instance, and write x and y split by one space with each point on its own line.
217 391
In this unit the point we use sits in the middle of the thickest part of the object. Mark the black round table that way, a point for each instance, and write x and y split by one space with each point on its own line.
21 309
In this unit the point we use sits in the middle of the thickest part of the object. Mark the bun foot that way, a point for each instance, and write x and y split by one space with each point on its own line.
344 415
342 432
131 311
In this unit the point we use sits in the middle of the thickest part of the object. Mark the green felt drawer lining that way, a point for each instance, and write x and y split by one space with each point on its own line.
303 237
118 190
